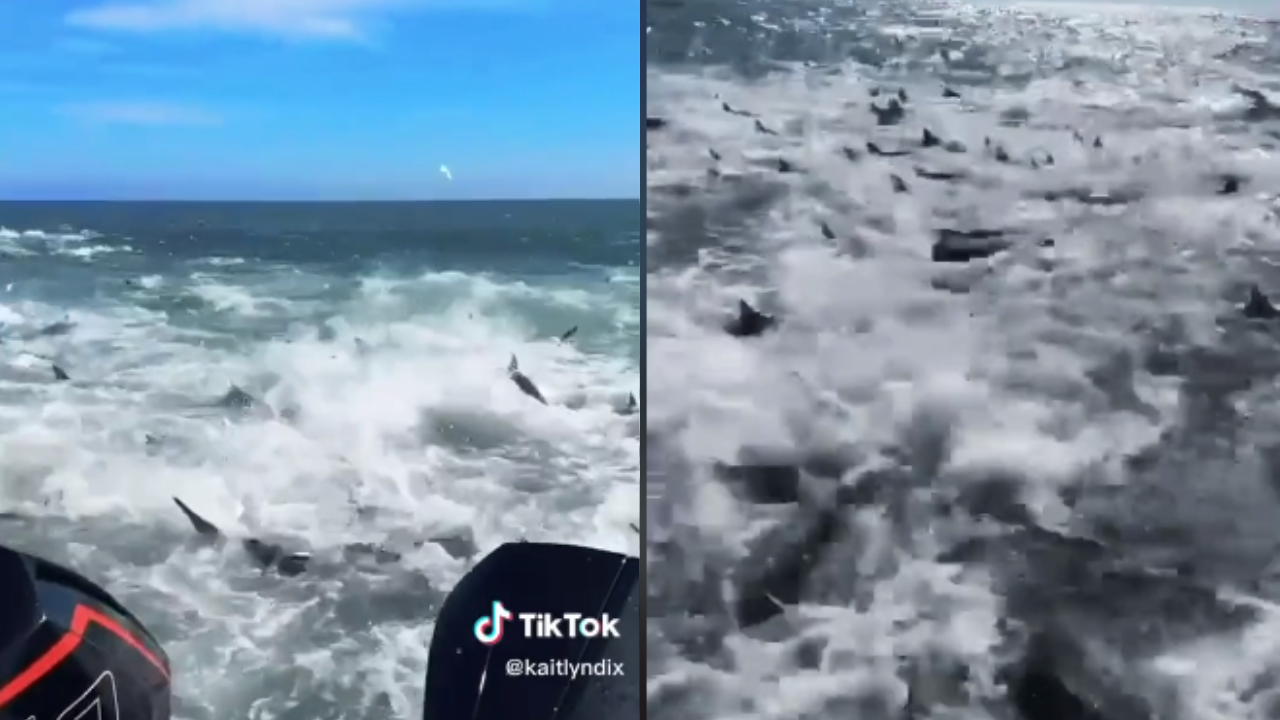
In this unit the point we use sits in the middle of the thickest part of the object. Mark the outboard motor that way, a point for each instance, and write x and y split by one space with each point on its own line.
470 678
69 650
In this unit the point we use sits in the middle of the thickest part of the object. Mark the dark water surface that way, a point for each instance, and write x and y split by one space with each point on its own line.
1037 485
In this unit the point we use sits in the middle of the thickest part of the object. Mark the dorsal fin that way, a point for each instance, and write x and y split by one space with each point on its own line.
631 401
1256 297
202 526
745 310
1259 305
514 365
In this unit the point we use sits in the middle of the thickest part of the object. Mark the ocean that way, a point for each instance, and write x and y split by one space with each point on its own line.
375 340
1009 450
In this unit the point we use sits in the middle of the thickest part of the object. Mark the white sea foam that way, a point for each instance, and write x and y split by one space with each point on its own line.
1003 352
418 421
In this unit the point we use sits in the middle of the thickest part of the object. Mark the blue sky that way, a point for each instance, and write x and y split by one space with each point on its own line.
319 99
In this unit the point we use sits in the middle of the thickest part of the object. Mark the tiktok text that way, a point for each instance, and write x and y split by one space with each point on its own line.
562 668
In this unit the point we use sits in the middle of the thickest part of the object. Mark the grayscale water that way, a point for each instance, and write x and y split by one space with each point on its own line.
416 434
1073 440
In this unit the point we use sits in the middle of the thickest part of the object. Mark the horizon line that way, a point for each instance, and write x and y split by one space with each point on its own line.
312 201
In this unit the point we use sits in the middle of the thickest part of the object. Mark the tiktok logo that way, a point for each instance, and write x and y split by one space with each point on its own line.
489 627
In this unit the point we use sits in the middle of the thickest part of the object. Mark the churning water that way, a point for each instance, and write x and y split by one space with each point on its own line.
374 339
1010 450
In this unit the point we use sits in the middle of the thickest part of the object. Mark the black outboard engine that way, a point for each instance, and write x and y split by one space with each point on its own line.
486 668
70 651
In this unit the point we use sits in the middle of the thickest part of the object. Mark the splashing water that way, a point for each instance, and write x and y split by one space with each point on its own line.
959 489
371 342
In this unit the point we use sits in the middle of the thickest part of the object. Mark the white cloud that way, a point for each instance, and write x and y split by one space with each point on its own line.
339 20
317 19
140 113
